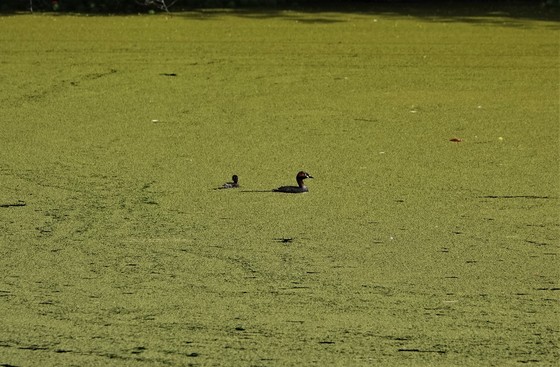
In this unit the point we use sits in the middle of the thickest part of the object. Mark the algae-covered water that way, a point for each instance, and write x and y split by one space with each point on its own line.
409 249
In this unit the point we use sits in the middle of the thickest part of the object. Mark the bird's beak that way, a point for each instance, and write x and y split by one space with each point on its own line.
309 176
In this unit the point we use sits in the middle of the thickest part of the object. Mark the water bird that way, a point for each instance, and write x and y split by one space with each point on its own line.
231 185
296 189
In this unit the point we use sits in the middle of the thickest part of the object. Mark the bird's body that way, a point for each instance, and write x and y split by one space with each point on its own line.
300 188
231 185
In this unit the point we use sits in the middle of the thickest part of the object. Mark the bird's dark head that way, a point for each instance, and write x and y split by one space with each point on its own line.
234 178
303 175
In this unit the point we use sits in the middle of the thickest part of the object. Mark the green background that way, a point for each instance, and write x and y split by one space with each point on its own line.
409 249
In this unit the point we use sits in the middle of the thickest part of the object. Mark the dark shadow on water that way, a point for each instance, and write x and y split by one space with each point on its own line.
238 190
491 13
500 13
256 191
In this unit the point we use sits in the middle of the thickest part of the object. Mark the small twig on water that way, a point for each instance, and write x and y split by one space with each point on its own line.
160 4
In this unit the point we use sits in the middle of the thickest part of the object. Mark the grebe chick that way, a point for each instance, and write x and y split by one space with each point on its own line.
296 189
231 185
